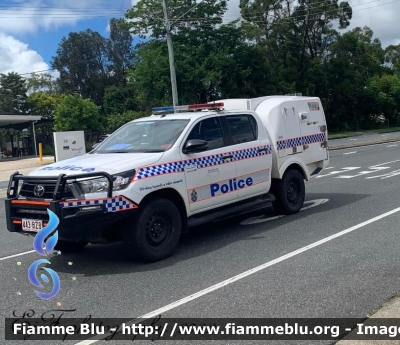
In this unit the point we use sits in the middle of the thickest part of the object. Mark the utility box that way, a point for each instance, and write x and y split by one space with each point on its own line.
69 144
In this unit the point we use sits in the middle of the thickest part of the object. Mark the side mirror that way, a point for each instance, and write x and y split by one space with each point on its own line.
195 145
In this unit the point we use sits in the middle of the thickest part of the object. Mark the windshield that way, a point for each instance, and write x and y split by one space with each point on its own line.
143 136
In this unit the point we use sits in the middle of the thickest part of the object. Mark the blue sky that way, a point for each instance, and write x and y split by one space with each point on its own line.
46 43
30 30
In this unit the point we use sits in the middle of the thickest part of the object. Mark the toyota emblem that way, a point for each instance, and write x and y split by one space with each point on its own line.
38 191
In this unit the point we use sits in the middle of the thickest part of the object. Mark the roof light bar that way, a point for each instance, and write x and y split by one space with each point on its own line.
208 106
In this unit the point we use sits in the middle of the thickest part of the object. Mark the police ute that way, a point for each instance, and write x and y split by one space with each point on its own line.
183 166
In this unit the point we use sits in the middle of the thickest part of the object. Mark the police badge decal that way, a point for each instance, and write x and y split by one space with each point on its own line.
193 195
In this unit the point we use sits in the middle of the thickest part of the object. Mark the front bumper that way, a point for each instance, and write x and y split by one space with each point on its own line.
95 220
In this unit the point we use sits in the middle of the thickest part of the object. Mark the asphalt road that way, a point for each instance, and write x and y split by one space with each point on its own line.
347 276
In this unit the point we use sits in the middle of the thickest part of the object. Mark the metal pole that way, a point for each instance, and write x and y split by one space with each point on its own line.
34 137
170 53
40 153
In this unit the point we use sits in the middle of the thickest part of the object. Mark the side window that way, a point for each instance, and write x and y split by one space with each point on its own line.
243 128
209 130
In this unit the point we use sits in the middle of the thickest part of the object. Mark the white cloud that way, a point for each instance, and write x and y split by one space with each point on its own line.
383 20
34 15
15 56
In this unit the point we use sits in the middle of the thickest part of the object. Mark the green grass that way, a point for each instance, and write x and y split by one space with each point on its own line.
342 135
384 130
339 135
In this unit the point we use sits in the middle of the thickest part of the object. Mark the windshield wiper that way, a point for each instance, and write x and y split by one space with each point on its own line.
152 151
130 151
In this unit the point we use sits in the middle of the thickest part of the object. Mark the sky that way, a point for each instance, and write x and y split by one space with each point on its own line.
31 30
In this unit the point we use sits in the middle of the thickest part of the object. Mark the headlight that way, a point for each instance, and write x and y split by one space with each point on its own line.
100 184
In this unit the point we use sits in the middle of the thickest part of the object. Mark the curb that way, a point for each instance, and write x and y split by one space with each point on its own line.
368 143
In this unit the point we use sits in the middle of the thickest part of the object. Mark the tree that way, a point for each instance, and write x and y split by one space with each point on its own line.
83 62
211 64
386 93
40 82
118 100
146 18
353 59
119 51
294 35
12 93
392 57
43 104
115 121
75 113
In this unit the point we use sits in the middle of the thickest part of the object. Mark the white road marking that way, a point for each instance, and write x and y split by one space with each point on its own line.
361 173
338 172
388 175
353 139
350 153
392 146
245 274
263 218
329 168
379 165
15 255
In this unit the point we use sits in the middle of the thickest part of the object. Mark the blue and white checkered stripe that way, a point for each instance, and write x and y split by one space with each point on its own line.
202 162
251 153
114 204
308 139
156 170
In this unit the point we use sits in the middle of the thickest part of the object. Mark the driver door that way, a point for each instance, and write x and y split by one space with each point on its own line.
209 174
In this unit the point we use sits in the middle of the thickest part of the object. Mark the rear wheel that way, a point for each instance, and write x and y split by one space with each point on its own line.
70 247
154 232
289 192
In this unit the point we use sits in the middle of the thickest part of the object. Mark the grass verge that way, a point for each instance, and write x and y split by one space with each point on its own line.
342 135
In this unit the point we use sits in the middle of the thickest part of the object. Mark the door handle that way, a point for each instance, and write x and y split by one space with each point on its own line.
227 157
263 149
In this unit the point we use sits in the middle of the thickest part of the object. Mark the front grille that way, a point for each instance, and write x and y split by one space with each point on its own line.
49 186
32 214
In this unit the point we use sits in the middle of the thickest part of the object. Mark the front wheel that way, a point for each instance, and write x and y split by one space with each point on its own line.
154 232
289 192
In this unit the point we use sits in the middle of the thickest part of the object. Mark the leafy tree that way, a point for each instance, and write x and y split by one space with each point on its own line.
210 64
118 100
146 18
386 92
392 57
75 113
115 121
43 104
41 82
119 51
354 58
12 93
83 62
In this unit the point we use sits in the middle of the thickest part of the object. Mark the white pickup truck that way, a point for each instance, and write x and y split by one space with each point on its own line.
157 176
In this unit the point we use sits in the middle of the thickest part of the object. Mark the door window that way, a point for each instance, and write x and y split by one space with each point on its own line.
209 130
243 128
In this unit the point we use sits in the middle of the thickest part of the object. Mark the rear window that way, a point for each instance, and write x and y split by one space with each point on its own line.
243 128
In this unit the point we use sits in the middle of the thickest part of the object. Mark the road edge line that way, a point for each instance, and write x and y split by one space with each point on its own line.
242 275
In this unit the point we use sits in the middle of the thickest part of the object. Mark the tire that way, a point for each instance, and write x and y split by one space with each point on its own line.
70 247
154 232
289 192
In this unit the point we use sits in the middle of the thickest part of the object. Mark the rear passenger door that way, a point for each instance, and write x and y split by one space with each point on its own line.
209 174
251 150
